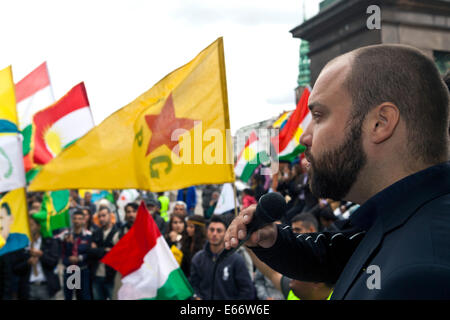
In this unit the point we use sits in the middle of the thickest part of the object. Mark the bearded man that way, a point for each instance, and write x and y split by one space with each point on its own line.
379 138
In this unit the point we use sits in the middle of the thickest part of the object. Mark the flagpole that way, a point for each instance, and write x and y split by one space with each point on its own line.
235 199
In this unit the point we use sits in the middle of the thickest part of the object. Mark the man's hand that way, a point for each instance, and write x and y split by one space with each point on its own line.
264 237
33 261
36 253
73 259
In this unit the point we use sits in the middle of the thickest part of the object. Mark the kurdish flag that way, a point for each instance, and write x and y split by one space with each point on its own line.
287 142
149 269
282 120
33 93
250 158
15 230
12 174
171 137
61 124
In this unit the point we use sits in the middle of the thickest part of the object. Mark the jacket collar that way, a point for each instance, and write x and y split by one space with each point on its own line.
389 209
396 203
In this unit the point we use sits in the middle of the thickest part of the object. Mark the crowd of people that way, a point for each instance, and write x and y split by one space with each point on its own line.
192 231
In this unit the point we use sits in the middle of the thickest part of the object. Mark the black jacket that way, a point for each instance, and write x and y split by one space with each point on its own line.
407 240
49 261
231 279
95 255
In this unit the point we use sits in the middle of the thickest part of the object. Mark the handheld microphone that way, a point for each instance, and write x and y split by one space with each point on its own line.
270 208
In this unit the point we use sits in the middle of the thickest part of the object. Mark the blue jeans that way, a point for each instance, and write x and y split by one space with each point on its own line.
84 293
103 289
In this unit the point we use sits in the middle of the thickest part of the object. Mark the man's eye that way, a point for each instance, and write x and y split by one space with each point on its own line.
316 115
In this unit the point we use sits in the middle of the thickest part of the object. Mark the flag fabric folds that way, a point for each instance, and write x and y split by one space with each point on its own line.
226 201
12 174
286 144
54 213
171 137
33 93
15 230
61 124
148 267
250 158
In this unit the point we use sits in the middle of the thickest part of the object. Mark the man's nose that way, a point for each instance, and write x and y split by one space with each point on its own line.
306 137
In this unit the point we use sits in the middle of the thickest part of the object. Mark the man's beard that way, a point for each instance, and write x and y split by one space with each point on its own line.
334 172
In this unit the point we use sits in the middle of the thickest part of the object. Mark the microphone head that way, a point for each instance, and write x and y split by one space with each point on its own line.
271 207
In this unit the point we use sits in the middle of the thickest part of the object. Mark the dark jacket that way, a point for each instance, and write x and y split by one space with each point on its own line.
79 247
231 279
49 261
96 254
6 275
406 245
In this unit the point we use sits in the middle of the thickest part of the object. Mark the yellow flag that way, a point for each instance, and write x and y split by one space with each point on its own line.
173 136
14 221
8 112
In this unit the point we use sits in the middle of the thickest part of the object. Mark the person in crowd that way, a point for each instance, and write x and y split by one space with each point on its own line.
193 241
88 220
131 209
105 203
212 205
207 195
188 196
176 230
76 243
36 264
75 197
164 200
175 233
154 207
87 202
380 138
257 184
6 277
302 200
214 278
304 223
102 242
248 198
180 207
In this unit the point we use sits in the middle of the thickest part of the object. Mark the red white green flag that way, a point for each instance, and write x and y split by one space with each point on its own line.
250 158
61 124
33 93
287 142
149 269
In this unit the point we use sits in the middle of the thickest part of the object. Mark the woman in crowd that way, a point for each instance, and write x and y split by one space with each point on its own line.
193 241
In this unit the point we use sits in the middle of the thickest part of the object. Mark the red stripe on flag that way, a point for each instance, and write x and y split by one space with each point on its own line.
36 80
128 254
75 99
282 140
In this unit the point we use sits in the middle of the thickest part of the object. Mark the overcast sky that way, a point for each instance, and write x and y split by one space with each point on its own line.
120 49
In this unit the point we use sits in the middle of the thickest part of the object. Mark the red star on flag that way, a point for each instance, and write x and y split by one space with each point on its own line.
164 124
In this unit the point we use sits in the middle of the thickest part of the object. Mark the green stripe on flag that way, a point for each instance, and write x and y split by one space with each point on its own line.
177 287
26 144
32 173
295 153
261 158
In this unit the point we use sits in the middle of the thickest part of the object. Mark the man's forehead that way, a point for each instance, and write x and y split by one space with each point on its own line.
329 84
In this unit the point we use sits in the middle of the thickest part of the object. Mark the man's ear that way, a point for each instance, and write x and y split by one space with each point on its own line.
382 121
